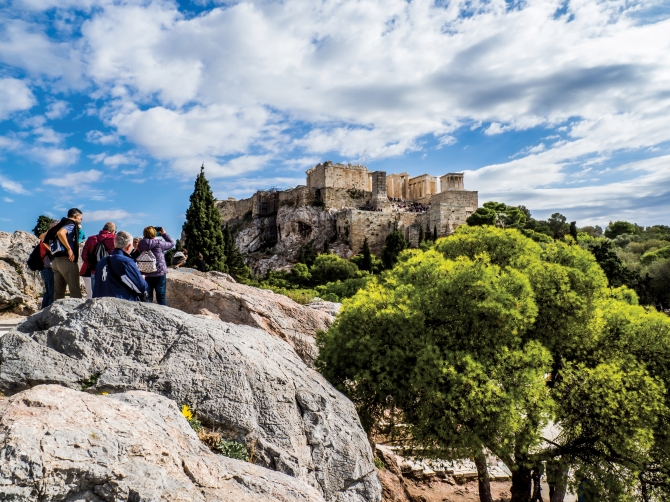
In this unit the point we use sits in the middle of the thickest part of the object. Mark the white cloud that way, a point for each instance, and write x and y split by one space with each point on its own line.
101 138
115 215
76 179
57 110
12 186
14 96
55 156
116 160
7 199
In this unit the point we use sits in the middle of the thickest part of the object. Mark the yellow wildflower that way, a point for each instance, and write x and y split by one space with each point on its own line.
186 411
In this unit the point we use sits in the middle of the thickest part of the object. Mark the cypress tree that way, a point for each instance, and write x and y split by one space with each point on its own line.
421 235
435 233
203 227
43 223
395 242
366 264
428 233
326 247
573 230
235 263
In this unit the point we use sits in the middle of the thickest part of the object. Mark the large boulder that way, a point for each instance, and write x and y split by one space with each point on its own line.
243 381
61 444
218 295
20 289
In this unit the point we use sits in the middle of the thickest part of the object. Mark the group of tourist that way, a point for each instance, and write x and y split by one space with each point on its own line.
114 264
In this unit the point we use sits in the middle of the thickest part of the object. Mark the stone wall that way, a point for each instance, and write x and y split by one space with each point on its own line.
298 196
466 198
353 226
231 208
339 198
338 176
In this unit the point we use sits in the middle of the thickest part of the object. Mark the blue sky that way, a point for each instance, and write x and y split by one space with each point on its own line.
112 106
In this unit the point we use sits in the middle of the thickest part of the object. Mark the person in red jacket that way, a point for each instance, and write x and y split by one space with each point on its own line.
106 236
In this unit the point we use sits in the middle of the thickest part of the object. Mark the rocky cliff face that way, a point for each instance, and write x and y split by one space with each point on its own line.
243 381
61 444
20 289
218 296
295 226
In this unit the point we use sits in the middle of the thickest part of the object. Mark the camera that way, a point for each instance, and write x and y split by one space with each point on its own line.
159 231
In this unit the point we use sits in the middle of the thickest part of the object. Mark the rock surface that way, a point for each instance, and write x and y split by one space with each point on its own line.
214 294
242 380
60 444
20 289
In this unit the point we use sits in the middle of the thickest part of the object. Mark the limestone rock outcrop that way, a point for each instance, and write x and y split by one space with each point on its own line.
215 293
241 380
20 289
61 444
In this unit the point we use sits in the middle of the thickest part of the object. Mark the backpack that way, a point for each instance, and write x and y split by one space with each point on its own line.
146 262
99 252
35 260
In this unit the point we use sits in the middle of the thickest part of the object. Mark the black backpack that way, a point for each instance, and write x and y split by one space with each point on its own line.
35 261
99 252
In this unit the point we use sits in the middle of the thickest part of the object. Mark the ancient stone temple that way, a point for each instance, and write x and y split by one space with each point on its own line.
344 204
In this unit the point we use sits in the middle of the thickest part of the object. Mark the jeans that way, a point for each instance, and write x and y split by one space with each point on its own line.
157 284
48 278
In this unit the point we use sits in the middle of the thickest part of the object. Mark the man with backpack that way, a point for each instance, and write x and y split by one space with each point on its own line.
117 275
63 241
96 248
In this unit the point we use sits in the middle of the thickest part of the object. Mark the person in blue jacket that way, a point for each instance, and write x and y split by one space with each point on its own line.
117 275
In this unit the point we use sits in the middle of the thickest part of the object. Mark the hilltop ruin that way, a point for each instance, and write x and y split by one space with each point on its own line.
343 204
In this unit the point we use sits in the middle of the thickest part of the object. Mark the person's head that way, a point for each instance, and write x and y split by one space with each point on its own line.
75 215
200 257
123 240
109 227
136 241
150 233
185 251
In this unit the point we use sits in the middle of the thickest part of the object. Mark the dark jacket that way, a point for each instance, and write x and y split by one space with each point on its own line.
106 283
72 238
157 247
107 238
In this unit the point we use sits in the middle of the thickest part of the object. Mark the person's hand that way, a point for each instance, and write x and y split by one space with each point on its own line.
70 255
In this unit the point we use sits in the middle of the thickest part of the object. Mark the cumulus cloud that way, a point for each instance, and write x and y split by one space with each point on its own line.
11 186
55 156
115 215
252 82
14 96
75 179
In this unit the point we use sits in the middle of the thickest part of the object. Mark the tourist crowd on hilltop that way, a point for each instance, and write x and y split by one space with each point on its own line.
113 263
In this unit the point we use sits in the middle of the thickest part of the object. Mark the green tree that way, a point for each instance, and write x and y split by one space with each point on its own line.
573 230
619 228
456 343
498 214
435 233
393 244
421 236
43 224
235 264
202 229
326 247
331 268
428 234
557 225
366 263
307 254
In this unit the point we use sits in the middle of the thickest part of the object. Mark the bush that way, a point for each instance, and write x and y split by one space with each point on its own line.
339 290
330 268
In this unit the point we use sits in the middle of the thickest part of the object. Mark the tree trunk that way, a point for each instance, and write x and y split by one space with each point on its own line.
483 478
536 476
561 488
521 484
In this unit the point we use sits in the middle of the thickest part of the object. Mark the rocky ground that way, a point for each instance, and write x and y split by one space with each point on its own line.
20 289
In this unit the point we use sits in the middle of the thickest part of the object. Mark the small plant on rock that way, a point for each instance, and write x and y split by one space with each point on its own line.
232 449
191 418
90 381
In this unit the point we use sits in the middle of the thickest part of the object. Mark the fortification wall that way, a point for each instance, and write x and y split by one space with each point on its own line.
329 175
339 198
298 196
231 209
465 198
354 226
